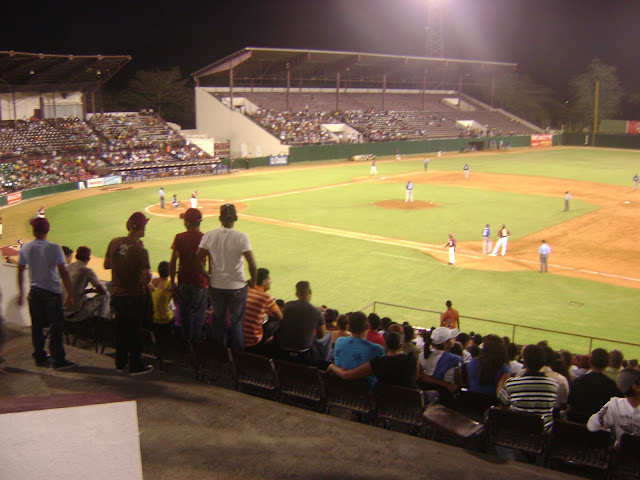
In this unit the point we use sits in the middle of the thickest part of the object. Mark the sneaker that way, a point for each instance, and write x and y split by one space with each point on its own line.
64 365
493 254
143 371
45 362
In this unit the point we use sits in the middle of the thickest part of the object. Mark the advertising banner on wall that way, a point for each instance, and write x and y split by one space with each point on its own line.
275 160
545 140
113 180
13 198
633 127
95 182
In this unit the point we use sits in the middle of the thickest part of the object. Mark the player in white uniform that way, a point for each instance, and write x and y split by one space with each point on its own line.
194 199
409 196
451 243
503 235
374 169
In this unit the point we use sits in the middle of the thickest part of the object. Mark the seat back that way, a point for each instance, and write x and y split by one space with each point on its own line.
626 464
517 430
399 404
173 351
574 447
256 375
447 425
215 364
353 395
474 404
301 385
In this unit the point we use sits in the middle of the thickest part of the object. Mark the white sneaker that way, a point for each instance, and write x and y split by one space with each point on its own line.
493 254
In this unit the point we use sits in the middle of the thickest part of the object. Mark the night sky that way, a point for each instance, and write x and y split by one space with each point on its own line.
550 39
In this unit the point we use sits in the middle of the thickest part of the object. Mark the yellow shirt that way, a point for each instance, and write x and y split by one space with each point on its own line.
161 296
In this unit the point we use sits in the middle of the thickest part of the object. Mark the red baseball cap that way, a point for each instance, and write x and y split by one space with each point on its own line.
83 253
192 215
40 225
137 220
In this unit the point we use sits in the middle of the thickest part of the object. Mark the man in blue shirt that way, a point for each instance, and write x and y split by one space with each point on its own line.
487 243
544 251
47 266
351 352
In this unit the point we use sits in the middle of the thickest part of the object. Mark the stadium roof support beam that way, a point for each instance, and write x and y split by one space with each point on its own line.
223 65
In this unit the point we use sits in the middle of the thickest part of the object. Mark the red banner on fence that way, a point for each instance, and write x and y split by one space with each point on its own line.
542 140
633 127
14 198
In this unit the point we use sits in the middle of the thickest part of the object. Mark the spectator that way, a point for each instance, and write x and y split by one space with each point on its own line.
622 415
343 324
384 325
301 323
47 268
615 364
512 355
161 294
190 293
260 307
490 369
450 317
438 362
410 347
81 276
330 317
591 391
372 333
465 342
128 261
225 248
562 395
395 368
68 253
351 352
533 391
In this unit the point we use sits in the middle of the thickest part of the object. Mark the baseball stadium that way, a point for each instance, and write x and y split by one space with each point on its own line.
289 136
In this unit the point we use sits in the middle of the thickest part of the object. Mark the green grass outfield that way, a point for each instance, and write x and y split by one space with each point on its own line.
348 274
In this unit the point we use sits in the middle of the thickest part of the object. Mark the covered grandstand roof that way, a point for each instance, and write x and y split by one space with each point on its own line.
271 67
37 72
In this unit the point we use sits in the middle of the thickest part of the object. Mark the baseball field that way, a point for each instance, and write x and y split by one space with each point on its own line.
356 240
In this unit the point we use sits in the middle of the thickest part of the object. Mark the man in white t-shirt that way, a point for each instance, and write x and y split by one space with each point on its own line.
226 248
622 415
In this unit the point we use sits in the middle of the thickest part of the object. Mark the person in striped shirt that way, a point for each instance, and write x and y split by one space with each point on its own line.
260 307
532 392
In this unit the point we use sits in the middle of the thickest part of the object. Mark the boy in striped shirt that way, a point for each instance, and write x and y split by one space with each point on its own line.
259 304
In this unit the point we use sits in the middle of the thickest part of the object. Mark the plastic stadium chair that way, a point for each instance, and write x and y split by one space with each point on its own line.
474 405
256 375
352 395
402 405
215 364
521 431
301 385
446 425
625 465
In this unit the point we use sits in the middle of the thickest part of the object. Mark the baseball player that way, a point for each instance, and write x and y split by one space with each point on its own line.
487 243
466 170
374 169
398 156
636 179
161 194
567 197
544 252
451 243
40 213
409 188
503 238
426 163
175 202
194 199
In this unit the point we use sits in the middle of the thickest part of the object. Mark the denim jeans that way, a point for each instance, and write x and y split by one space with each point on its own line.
231 303
129 316
192 301
46 309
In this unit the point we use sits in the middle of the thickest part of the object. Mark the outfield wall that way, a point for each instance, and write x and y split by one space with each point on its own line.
602 140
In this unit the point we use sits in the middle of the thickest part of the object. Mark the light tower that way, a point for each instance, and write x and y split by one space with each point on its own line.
435 42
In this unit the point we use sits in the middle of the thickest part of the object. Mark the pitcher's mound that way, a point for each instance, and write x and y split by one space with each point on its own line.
402 205
208 208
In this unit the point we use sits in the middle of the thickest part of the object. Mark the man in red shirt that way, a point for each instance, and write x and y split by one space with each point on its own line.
191 292
372 333
259 305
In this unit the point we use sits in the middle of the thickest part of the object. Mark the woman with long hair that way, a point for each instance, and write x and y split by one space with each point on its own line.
490 369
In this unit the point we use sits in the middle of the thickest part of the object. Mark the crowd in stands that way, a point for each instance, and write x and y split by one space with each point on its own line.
301 128
43 152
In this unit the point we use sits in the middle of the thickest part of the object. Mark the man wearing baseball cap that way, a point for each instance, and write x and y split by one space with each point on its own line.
622 415
130 274
47 266
191 291
226 248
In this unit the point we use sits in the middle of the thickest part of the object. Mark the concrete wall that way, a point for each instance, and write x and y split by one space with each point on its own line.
10 310
26 103
215 120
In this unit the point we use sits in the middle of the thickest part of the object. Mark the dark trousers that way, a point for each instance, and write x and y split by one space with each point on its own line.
230 304
129 316
192 301
46 309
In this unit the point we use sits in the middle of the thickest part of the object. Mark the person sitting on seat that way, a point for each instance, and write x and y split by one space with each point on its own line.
81 276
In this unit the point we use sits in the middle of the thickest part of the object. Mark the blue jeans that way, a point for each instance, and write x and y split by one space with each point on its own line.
46 309
129 315
192 301
232 303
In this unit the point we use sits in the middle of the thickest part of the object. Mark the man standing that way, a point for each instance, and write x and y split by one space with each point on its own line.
409 188
567 197
194 199
161 193
544 251
300 320
398 156
426 163
130 274
450 317
503 238
259 304
486 237
81 276
40 213
226 248
636 179
451 243
374 169
191 292
466 170
47 267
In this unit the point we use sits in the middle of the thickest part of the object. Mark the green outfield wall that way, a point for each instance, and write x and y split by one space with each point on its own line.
602 140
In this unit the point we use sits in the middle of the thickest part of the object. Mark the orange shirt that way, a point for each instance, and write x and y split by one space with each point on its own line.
259 302
449 318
